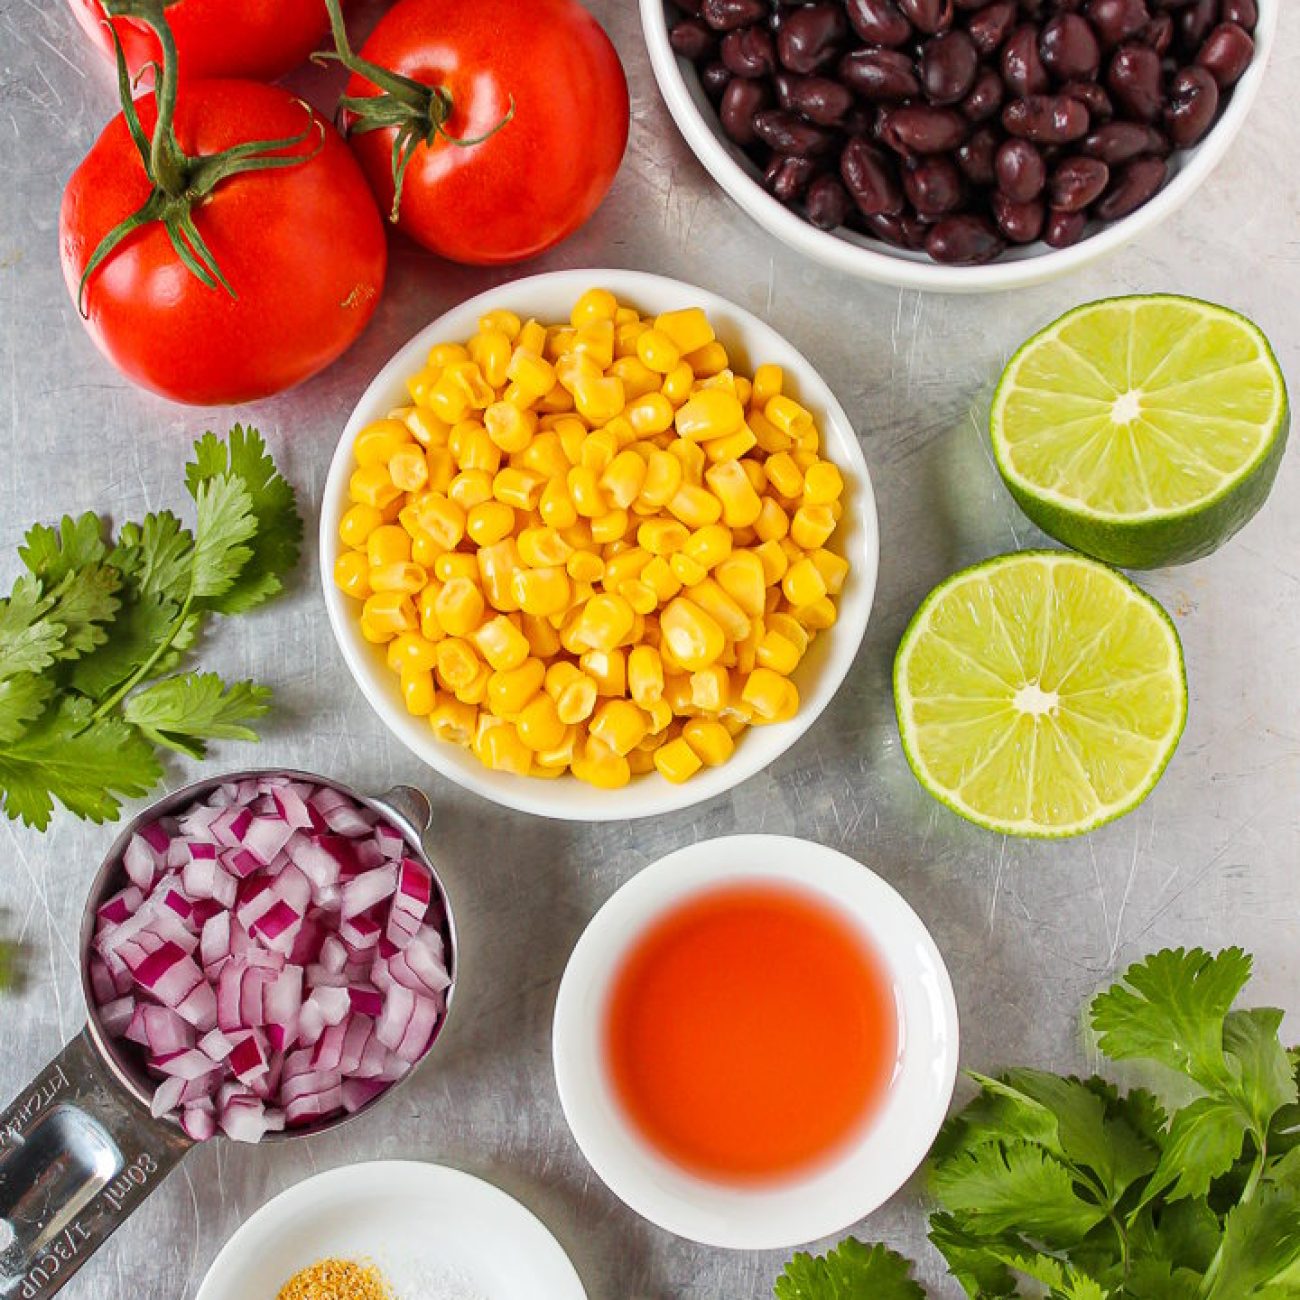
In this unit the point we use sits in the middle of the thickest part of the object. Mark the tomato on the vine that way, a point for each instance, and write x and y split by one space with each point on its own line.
220 238
262 39
502 123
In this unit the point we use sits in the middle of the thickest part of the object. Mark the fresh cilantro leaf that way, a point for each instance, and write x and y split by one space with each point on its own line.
1061 1278
1205 1139
1286 1170
30 640
1139 1108
83 602
183 712
980 1274
23 698
849 1272
51 554
1261 1244
1171 1008
82 762
1264 1081
1016 1187
141 624
155 555
1157 1279
1186 1233
278 539
226 522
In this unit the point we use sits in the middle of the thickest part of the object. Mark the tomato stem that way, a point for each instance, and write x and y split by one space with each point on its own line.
417 112
179 181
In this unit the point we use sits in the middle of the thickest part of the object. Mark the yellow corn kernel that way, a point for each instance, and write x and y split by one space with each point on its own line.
640 595
709 414
377 442
640 761
598 765
692 460
501 749
772 523
790 628
510 690
605 623
818 615
454 721
772 696
559 756
645 675
774 561
695 506
833 568
501 318
626 333
658 575
767 383
458 665
620 725
777 652
475 448
677 761
408 468
812 526
725 611
623 478
609 528
543 640
496 566
771 440
741 576
710 741
489 522
686 570
638 380
510 428
426 607
677 385
662 536
663 480
710 688
732 447
788 416
539 725
689 329
400 575
730 485
411 650
455 564
388 544
694 636
459 606
822 484
584 491
598 451
440 518
520 489
608 668
649 413
532 335
594 305
475 690
627 563
661 718
595 339
576 700
371 485
471 487
543 548
599 400
556 506
531 373
352 574
358 523
657 351
426 428
502 644
442 355
490 350
420 384
677 689
784 475
390 613
541 592
418 693
544 456
584 566
708 546
803 583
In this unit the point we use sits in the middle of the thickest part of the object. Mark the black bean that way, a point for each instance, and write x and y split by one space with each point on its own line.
1120 142
985 97
1158 33
928 15
882 76
1245 13
1069 49
1022 66
1227 53
693 40
990 26
787 177
934 186
964 241
1093 97
1134 78
1077 183
918 128
1046 119
725 15
949 63
1021 223
1064 228
1116 21
871 178
691 8
1194 23
827 203
1136 184
879 22
788 133
811 37
1193 103
740 101
1021 171
819 99
749 52
977 157
902 230
715 77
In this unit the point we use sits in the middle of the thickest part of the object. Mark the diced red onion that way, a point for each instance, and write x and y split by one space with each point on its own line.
200 1124
116 1015
141 862
125 903
265 837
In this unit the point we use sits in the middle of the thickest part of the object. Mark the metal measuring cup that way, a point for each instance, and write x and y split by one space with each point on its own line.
79 1149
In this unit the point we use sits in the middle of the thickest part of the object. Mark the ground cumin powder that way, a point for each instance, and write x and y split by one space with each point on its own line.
336 1279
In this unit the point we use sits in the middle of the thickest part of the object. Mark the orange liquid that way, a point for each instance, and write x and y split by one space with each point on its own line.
751 1033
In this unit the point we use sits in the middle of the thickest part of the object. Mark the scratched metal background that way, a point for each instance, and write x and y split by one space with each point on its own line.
1029 930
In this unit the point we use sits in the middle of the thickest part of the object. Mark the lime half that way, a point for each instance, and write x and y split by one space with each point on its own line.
1040 694
1144 431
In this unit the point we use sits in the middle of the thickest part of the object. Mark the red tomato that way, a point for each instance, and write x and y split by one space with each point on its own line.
303 247
537 179
262 39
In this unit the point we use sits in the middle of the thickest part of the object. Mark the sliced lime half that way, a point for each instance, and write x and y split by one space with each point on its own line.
1143 431
1040 694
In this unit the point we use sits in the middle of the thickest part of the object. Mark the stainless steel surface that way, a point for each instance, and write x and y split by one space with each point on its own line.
1028 930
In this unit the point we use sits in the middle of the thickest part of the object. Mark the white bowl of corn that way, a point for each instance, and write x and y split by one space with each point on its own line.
598 545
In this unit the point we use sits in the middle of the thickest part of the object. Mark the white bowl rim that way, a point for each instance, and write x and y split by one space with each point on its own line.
828 1200
650 795
1021 268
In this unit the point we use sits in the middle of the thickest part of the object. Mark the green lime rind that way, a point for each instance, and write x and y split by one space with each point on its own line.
1026 828
1156 538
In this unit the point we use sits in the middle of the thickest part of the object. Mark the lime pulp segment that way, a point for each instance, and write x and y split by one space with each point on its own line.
1040 694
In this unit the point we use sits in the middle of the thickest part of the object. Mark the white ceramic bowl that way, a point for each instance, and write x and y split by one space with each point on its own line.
878 1163
750 342
873 259
430 1230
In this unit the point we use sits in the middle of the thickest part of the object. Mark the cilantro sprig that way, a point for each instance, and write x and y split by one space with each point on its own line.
93 633
1072 1189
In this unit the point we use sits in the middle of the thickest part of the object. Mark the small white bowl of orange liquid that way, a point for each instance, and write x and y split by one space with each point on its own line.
755 1042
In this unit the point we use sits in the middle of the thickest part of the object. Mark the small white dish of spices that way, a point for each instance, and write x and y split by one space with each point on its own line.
392 1230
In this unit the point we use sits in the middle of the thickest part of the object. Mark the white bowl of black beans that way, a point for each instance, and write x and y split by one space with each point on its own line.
959 145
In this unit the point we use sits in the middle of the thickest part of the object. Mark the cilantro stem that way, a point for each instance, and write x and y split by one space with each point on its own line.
1247 1195
142 673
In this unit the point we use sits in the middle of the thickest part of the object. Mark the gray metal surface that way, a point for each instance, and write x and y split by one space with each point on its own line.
1029 930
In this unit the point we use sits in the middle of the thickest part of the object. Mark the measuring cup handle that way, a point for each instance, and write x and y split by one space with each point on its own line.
78 1154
